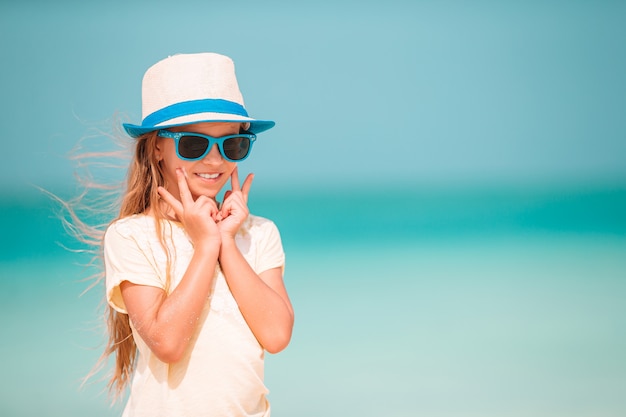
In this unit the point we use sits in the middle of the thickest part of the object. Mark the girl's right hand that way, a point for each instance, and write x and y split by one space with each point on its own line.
198 217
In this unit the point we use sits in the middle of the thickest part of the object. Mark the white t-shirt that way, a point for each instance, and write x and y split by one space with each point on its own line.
221 373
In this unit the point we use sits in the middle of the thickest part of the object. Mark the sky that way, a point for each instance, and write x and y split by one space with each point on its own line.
364 93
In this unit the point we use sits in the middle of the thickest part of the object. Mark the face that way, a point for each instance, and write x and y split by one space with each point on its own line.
205 176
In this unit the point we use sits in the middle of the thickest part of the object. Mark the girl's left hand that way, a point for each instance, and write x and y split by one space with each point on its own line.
234 210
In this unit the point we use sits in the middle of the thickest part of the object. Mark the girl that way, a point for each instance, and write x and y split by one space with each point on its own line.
194 288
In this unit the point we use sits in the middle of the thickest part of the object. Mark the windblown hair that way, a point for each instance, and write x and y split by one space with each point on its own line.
139 195
144 177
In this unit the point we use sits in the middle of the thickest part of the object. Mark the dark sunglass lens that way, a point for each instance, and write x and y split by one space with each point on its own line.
237 148
192 147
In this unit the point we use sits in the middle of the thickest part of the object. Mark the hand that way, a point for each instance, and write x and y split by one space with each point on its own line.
199 217
234 210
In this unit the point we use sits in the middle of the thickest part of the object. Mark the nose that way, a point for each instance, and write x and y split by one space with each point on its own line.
214 156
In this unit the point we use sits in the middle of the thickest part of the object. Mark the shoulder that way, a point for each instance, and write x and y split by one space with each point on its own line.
261 244
263 232
129 227
258 225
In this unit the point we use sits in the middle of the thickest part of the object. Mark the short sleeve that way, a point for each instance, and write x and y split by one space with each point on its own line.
126 260
271 253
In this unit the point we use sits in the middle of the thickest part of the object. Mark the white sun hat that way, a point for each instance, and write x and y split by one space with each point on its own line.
192 88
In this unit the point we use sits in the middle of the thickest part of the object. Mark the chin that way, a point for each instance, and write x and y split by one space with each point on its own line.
206 193
211 192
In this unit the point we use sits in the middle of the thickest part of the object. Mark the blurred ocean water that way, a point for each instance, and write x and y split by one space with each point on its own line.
411 301
472 301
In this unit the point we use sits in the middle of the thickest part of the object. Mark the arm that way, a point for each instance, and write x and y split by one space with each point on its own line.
167 322
262 298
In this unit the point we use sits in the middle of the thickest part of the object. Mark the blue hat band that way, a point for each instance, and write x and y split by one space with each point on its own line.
209 105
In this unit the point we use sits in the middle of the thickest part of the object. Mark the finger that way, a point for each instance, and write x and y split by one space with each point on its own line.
226 205
226 195
171 200
183 188
214 209
245 189
206 205
234 180
204 200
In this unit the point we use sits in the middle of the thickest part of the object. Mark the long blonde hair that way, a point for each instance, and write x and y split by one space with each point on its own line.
144 177
138 196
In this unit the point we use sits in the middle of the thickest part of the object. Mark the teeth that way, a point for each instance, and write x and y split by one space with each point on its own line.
209 176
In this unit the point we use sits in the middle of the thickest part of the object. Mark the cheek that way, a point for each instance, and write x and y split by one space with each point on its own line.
170 162
168 154
226 175
230 169
160 148
167 148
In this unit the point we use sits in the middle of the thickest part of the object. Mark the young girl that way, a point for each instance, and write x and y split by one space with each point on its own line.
195 287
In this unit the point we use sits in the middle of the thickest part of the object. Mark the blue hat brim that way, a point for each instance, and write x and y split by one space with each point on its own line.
256 126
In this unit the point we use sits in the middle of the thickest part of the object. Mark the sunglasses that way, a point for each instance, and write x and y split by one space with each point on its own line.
195 146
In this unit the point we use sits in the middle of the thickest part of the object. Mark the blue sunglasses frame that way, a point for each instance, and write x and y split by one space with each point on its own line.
212 141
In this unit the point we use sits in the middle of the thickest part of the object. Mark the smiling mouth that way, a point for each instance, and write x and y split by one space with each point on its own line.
208 176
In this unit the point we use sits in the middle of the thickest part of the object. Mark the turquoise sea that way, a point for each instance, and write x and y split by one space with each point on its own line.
419 301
